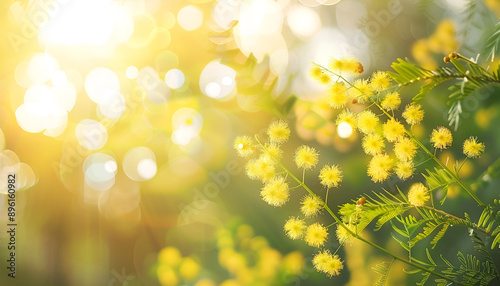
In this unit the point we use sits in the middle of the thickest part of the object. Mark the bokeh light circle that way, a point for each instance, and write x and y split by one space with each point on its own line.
344 130
146 168
303 21
217 80
102 85
114 108
59 78
91 134
190 18
188 119
41 67
174 78
131 72
139 164
99 172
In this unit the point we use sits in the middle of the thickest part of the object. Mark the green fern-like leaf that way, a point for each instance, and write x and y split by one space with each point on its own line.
425 277
398 210
493 44
439 179
384 206
496 233
480 247
439 235
383 269
406 72
472 272
426 231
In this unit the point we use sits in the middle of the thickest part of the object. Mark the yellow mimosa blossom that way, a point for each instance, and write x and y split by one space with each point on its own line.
275 192
306 157
328 263
380 167
337 97
361 90
316 72
260 169
418 194
278 131
405 149
413 114
294 228
316 235
441 138
347 116
325 78
380 81
404 169
244 146
330 176
373 144
393 130
391 101
472 148
367 121
346 65
343 236
321 259
273 153
333 267
311 205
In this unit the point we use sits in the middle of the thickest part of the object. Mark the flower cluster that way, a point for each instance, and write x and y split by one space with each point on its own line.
387 136
276 189
397 130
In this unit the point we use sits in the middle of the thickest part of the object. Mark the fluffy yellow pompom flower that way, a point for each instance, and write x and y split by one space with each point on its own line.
278 131
306 157
413 114
325 78
472 148
316 235
328 263
343 236
275 192
380 167
311 205
367 121
244 146
321 259
338 95
405 149
260 169
347 65
330 176
391 101
418 194
273 153
347 116
361 90
294 228
373 144
393 130
333 267
404 169
316 72
441 138
380 81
